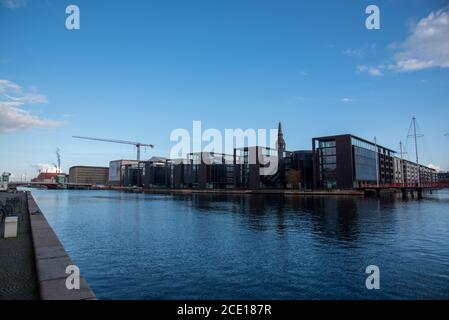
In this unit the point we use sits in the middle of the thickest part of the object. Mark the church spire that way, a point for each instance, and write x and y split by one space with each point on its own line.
280 141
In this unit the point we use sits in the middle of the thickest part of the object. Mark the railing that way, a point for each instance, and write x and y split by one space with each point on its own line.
433 185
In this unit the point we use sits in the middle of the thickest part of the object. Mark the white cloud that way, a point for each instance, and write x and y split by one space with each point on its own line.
432 166
347 100
374 71
8 86
427 46
13 4
13 117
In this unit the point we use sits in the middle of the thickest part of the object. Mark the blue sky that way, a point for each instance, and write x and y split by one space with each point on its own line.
136 70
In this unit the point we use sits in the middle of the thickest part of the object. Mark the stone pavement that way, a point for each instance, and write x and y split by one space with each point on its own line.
18 279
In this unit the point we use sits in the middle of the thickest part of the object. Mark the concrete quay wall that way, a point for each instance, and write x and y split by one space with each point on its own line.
52 260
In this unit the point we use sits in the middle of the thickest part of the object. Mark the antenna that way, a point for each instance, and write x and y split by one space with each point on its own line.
415 135
402 150
447 135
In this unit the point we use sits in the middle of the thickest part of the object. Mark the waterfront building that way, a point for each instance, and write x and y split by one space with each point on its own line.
132 175
398 169
50 177
443 177
202 170
210 170
157 173
411 172
428 175
124 172
347 161
253 165
251 162
182 173
298 169
89 175
414 173
246 168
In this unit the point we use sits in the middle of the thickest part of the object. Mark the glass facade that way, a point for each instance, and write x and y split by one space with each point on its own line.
360 162
365 164
328 163
372 162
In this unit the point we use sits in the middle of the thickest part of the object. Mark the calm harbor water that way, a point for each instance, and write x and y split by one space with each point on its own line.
142 246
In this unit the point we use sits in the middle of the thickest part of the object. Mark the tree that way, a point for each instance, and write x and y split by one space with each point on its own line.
293 178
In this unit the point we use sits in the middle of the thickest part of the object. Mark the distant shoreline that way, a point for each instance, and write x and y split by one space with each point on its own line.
244 192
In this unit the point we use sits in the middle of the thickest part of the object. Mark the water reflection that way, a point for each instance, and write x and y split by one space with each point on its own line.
334 217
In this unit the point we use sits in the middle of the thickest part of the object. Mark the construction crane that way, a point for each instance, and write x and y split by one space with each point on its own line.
136 144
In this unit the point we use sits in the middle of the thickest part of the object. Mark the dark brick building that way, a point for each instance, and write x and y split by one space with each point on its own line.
347 161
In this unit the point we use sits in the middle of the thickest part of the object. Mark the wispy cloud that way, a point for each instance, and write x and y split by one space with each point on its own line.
347 100
426 47
13 4
374 71
302 98
353 52
13 117
361 51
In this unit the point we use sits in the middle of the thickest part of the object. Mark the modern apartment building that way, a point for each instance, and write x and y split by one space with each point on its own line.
398 169
414 173
257 168
124 172
203 170
347 161
335 162
443 177
157 173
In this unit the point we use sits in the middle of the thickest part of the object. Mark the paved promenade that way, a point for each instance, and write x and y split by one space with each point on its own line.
17 264
33 265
